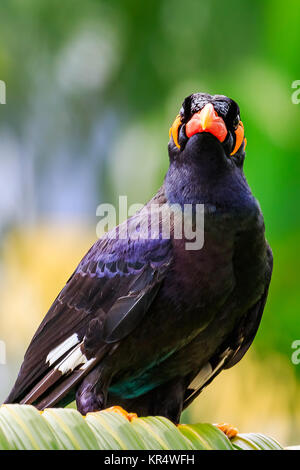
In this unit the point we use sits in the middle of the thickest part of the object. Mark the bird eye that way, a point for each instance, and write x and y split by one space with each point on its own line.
236 122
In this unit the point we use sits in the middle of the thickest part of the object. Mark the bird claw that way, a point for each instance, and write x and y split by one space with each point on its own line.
122 412
229 430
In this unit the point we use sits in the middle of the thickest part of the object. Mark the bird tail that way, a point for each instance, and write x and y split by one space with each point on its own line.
61 379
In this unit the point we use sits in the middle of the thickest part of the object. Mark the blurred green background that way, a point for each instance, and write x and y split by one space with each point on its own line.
92 89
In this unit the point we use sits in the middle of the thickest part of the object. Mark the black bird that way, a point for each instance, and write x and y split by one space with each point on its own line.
147 321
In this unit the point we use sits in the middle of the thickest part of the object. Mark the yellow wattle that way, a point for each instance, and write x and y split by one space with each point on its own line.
174 130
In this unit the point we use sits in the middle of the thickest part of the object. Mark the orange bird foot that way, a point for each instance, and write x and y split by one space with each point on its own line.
122 412
228 430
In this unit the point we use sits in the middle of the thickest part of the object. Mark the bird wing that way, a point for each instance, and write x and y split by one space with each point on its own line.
236 346
103 301
248 328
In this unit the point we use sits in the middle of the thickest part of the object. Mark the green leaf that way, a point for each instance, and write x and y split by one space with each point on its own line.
158 433
71 429
205 436
114 431
255 441
24 427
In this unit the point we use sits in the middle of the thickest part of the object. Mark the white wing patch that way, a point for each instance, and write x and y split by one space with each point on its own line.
206 373
74 359
201 377
87 363
61 349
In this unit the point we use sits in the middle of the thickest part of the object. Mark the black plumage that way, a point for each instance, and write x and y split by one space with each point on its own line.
145 322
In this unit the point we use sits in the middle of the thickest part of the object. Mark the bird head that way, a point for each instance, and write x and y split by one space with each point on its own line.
208 125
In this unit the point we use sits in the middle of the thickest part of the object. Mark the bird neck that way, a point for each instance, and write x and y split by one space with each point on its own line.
189 183
185 183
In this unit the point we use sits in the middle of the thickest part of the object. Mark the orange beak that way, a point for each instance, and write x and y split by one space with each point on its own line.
207 120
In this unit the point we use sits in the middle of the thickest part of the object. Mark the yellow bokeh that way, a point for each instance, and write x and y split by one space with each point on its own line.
36 264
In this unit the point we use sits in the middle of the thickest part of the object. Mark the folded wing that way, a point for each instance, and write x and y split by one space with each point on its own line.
103 302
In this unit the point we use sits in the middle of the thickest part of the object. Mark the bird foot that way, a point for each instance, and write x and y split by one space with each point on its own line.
122 412
229 430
